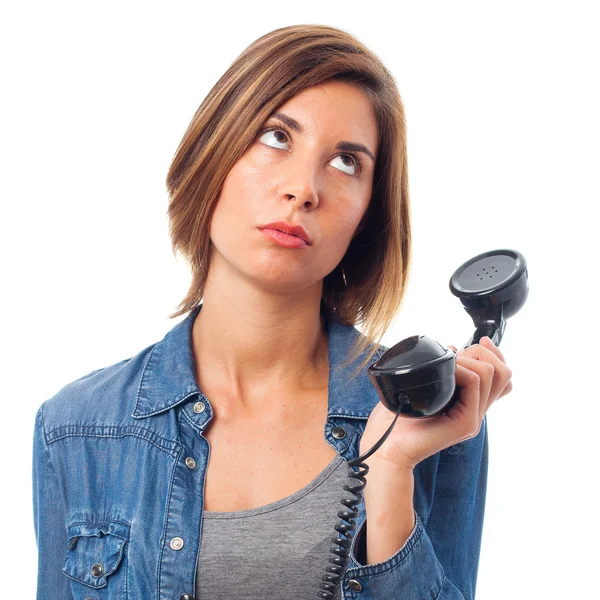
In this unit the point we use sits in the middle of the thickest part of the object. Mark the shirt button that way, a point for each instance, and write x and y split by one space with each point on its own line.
176 543
186 597
190 462
199 407
339 433
97 570
355 585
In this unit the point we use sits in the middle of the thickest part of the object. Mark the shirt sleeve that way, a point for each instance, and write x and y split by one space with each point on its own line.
440 559
48 520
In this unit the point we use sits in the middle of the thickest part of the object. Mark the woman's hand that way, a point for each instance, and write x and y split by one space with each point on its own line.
482 373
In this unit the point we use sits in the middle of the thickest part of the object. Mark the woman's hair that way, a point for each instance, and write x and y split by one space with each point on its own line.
270 71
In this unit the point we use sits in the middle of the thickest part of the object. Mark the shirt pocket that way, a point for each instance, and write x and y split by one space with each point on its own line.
96 560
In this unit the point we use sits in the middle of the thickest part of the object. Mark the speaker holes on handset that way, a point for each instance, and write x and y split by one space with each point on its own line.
479 274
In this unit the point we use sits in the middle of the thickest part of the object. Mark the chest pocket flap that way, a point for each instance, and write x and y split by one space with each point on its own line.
95 551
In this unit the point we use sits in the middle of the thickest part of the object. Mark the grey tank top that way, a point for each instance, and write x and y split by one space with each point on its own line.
277 551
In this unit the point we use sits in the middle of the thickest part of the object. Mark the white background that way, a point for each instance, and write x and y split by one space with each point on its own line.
502 105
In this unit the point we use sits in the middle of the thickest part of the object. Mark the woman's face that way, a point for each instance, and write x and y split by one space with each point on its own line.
301 178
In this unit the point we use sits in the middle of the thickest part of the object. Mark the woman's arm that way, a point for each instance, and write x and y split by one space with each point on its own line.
389 508
439 560
48 520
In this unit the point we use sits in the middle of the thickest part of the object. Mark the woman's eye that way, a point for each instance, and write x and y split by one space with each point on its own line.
274 133
280 137
353 163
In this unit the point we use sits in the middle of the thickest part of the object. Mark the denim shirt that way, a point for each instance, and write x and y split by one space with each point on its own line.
119 467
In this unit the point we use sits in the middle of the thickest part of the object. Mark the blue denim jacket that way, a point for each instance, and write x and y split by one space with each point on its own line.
119 464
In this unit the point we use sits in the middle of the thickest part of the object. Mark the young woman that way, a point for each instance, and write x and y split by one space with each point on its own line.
211 464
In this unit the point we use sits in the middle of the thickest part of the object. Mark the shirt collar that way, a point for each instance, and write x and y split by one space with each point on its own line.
168 376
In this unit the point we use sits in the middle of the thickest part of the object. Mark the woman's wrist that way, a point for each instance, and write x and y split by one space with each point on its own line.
389 509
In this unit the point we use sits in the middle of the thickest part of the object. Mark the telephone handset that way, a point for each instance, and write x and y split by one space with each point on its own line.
416 377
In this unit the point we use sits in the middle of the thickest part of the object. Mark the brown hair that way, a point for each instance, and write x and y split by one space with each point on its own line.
270 71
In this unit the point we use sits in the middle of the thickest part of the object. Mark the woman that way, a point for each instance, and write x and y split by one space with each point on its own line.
211 464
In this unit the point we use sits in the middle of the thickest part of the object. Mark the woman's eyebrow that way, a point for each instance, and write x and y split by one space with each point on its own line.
344 146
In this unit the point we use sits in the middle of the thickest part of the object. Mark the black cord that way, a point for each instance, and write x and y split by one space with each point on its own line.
342 545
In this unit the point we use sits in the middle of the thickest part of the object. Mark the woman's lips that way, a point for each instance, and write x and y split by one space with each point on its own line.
285 239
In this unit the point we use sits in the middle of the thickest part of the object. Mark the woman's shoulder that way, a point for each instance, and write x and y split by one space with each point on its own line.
104 395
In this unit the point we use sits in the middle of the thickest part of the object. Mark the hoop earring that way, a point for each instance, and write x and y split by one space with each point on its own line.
344 277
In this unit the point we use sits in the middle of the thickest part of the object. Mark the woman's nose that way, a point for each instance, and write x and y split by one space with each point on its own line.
310 200
301 182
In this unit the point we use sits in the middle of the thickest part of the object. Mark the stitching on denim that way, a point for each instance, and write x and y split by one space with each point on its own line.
146 365
97 523
380 568
111 431
352 442
439 592
144 434
44 436
400 557
347 415
47 449
352 550
169 452
183 414
100 429
166 521
123 555
348 443
175 402
126 574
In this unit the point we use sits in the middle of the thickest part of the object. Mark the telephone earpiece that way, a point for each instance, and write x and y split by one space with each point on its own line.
416 376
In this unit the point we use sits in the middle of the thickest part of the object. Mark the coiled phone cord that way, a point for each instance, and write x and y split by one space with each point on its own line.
340 550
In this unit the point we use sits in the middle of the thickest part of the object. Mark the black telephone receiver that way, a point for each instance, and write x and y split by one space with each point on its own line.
415 378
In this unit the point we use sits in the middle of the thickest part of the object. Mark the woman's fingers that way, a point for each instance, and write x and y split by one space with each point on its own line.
486 372
502 372
506 390
465 412
487 343
495 378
